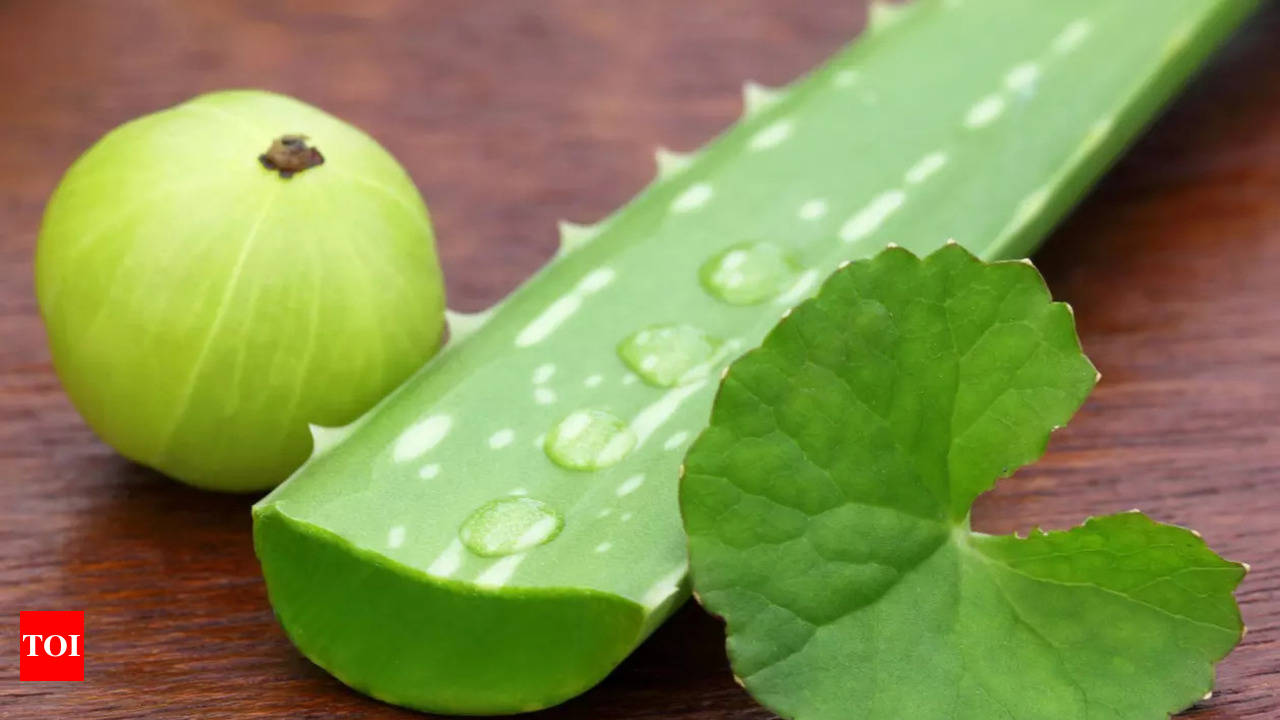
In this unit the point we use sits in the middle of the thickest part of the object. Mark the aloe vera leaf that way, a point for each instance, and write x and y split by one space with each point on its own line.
981 120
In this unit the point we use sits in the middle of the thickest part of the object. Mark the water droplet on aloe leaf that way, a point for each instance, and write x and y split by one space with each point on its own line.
668 355
589 440
747 273
508 526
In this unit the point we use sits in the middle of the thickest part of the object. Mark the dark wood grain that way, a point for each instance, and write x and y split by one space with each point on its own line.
509 116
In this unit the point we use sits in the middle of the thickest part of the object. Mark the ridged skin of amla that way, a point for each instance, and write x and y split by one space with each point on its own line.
202 309
502 530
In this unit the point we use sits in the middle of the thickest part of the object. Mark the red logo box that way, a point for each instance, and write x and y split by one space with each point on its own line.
51 645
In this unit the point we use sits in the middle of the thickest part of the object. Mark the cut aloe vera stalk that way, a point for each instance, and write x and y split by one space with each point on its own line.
502 530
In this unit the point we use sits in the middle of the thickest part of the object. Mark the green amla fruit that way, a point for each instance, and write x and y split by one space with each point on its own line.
218 275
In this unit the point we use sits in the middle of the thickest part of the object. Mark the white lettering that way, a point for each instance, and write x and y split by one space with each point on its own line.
62 645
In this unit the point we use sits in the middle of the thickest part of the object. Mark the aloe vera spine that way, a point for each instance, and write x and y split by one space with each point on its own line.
829 169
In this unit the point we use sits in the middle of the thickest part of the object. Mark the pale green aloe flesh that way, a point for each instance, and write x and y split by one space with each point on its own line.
979 120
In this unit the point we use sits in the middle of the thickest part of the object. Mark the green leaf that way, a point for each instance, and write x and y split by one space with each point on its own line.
827 507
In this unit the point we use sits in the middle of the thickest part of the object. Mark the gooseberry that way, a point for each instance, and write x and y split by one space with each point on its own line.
215 276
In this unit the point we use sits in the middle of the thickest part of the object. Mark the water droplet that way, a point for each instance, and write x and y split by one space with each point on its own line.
668 355
747 273
508 526
589 440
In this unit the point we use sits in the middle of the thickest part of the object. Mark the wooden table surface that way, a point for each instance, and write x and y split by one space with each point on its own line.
510 116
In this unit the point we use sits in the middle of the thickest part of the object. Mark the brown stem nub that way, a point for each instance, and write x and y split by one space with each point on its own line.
290 154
